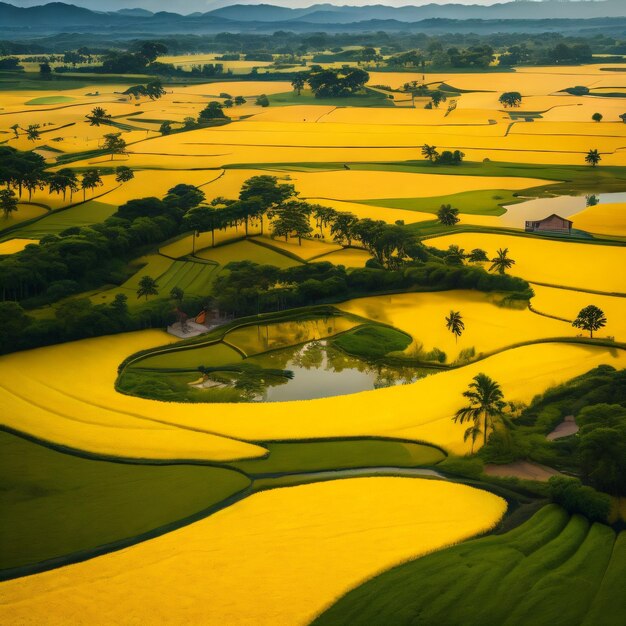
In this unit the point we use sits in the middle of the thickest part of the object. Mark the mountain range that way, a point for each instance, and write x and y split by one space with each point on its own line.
56 17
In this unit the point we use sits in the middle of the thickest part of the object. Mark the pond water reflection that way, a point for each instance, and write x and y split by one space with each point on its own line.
320 370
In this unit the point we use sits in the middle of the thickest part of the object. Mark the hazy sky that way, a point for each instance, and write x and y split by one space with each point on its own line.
392 3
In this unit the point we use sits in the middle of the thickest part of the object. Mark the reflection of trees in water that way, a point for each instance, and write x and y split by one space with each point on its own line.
310 356
320 355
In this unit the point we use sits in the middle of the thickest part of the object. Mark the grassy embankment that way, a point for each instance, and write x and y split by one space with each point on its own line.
554 569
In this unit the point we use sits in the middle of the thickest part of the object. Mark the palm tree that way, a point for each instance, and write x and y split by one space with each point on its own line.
593 157
147 287
501 262
486 406
474 432
455 255
430 152
455 324
448 215
98 116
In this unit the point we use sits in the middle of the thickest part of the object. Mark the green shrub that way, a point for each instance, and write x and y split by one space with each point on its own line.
372 341
462 466
436 355
575 497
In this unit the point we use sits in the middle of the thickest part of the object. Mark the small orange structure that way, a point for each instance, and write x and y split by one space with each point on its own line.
553 223
200 318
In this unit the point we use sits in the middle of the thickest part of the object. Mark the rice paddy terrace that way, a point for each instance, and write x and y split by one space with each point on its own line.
222 477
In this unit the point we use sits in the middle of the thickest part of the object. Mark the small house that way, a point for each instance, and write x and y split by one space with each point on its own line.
552 224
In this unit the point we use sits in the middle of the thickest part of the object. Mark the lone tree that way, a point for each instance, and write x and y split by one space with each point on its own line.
455 324
430 153
262 101
510 99
590 318
437 97
147 287
478 255
98 116
448 215
455 255
485 409
165 128
123 174
32 132
597 117
8 202
212 111
239 100
593 157
154 89
501 262
177 294
298 83
114 144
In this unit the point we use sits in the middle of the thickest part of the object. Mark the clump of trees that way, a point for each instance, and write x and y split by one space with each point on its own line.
333 83
511 99
447 157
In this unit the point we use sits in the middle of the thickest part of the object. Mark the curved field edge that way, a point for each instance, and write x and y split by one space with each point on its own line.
294 544
59 507
55 504
97 419
555 568
218 335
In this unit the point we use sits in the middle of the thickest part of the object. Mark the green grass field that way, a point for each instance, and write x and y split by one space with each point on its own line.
372 341
213 355
51 100
483 202
192 278
554 569
369 98
312 456
85 214
247 250
54 504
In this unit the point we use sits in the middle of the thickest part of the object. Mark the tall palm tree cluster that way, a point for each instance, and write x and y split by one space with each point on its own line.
25 172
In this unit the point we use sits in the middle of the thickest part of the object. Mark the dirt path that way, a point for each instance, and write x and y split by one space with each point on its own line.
566 428
522 469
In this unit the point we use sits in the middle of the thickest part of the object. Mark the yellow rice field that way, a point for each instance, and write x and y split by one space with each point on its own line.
605 219
554 262
264 560
11 246
488 327
42 398
567 304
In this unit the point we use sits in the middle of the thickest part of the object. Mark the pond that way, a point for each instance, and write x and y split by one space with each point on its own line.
319 370
538 208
